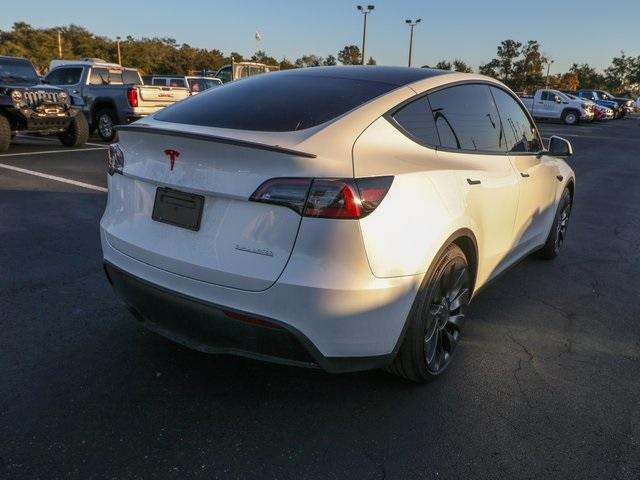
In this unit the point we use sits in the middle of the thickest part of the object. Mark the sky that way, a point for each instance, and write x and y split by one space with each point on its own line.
467 29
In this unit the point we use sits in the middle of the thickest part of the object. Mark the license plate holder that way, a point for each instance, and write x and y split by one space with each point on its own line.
180 209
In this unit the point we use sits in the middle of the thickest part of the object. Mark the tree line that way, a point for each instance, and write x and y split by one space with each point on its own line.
522 66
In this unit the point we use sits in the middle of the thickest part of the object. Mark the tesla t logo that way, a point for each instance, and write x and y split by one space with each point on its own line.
172 154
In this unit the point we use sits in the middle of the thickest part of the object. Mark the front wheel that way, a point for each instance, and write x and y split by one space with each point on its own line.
105 124
435 320
570 118
77 133
558 233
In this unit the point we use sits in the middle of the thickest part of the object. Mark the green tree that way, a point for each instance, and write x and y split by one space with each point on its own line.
371 61
350 55
330 60
588 77
443 65
460 66
527 72
261 57
618 75
309 61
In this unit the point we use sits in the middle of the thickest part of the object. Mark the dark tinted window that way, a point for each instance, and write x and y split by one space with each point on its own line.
517 133
64 76
416 119
274 102
466 118
17 71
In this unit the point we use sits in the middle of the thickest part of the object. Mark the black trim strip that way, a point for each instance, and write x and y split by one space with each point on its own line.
214 138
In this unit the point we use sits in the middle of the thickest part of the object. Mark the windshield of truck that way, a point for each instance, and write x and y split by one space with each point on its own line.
16 71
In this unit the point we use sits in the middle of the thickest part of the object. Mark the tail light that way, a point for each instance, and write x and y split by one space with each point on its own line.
132 96
325 198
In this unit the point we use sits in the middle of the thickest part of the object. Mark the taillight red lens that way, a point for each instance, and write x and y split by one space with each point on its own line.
132 96
325 198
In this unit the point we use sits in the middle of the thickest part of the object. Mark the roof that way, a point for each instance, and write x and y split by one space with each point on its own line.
398 76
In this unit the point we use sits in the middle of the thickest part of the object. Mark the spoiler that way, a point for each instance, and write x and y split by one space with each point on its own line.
213 138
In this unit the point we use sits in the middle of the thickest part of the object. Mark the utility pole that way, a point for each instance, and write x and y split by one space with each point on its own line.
411 24
118 44
549 62
59 44
365 11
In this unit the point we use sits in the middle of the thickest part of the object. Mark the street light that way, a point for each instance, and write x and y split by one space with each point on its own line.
118 44
549 62
365 11
411 24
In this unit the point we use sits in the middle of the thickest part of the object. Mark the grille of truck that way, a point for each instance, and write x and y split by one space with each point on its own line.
33 99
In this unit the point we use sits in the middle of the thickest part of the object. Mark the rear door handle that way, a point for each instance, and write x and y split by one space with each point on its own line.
473 182
525 175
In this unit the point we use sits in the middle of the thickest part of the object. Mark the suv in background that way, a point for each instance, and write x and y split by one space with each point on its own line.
238 70
605 99
112 95
195 84
28 106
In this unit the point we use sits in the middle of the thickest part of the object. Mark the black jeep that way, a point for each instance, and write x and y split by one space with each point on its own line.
28 106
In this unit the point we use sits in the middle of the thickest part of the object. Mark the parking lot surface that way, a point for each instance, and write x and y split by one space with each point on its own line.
546 383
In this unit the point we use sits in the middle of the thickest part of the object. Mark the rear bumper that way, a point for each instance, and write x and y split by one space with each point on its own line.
212 328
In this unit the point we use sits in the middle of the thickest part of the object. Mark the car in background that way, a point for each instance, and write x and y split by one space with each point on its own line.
332 217
27 106
603 98
547 104
195 84
112 95
626 102
238 70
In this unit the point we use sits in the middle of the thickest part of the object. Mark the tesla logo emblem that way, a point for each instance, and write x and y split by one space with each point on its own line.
172 154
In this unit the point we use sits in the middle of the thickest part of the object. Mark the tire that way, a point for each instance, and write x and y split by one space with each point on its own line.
435 320
5 133
77 133
105 120
570 117
557 234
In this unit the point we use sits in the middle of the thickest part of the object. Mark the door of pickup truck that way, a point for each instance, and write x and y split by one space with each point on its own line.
546 105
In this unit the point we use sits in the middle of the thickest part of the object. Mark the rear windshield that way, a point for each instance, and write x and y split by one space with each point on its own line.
272 102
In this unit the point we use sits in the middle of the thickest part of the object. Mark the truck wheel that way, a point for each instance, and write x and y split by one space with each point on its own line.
77 133
5 133
570 117
105 123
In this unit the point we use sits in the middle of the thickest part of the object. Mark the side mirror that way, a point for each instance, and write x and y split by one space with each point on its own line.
559 147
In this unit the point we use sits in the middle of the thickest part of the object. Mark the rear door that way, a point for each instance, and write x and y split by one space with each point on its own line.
537 174
472 142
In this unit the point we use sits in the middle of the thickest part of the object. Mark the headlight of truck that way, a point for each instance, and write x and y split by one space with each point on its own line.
16 96
115 159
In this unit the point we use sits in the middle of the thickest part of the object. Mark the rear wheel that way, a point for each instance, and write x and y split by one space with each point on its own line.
5 133
570 117
105 122
558 233
77 133
435 320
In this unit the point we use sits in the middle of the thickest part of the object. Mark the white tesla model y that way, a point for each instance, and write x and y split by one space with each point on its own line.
338 217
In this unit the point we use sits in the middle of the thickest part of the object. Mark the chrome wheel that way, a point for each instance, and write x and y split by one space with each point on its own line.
562 225
105 125
445 315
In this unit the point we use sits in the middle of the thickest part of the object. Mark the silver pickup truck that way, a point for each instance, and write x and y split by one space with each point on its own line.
112 95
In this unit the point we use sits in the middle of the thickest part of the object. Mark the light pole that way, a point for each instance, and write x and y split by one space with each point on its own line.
118 44
411 24
59 44
549 62
365 11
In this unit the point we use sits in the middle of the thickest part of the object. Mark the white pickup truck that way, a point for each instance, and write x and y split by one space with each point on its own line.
554 105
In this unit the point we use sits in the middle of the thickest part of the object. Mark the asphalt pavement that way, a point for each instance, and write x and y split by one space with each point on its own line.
546 382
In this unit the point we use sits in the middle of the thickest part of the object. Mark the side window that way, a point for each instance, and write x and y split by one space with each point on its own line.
545 96
417 120
99 76
224 74
466 118
64 76
517 131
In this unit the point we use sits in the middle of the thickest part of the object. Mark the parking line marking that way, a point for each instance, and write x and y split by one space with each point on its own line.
53 177
46 139
51 151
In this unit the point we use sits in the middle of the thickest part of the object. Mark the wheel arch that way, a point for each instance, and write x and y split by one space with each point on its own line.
100 104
